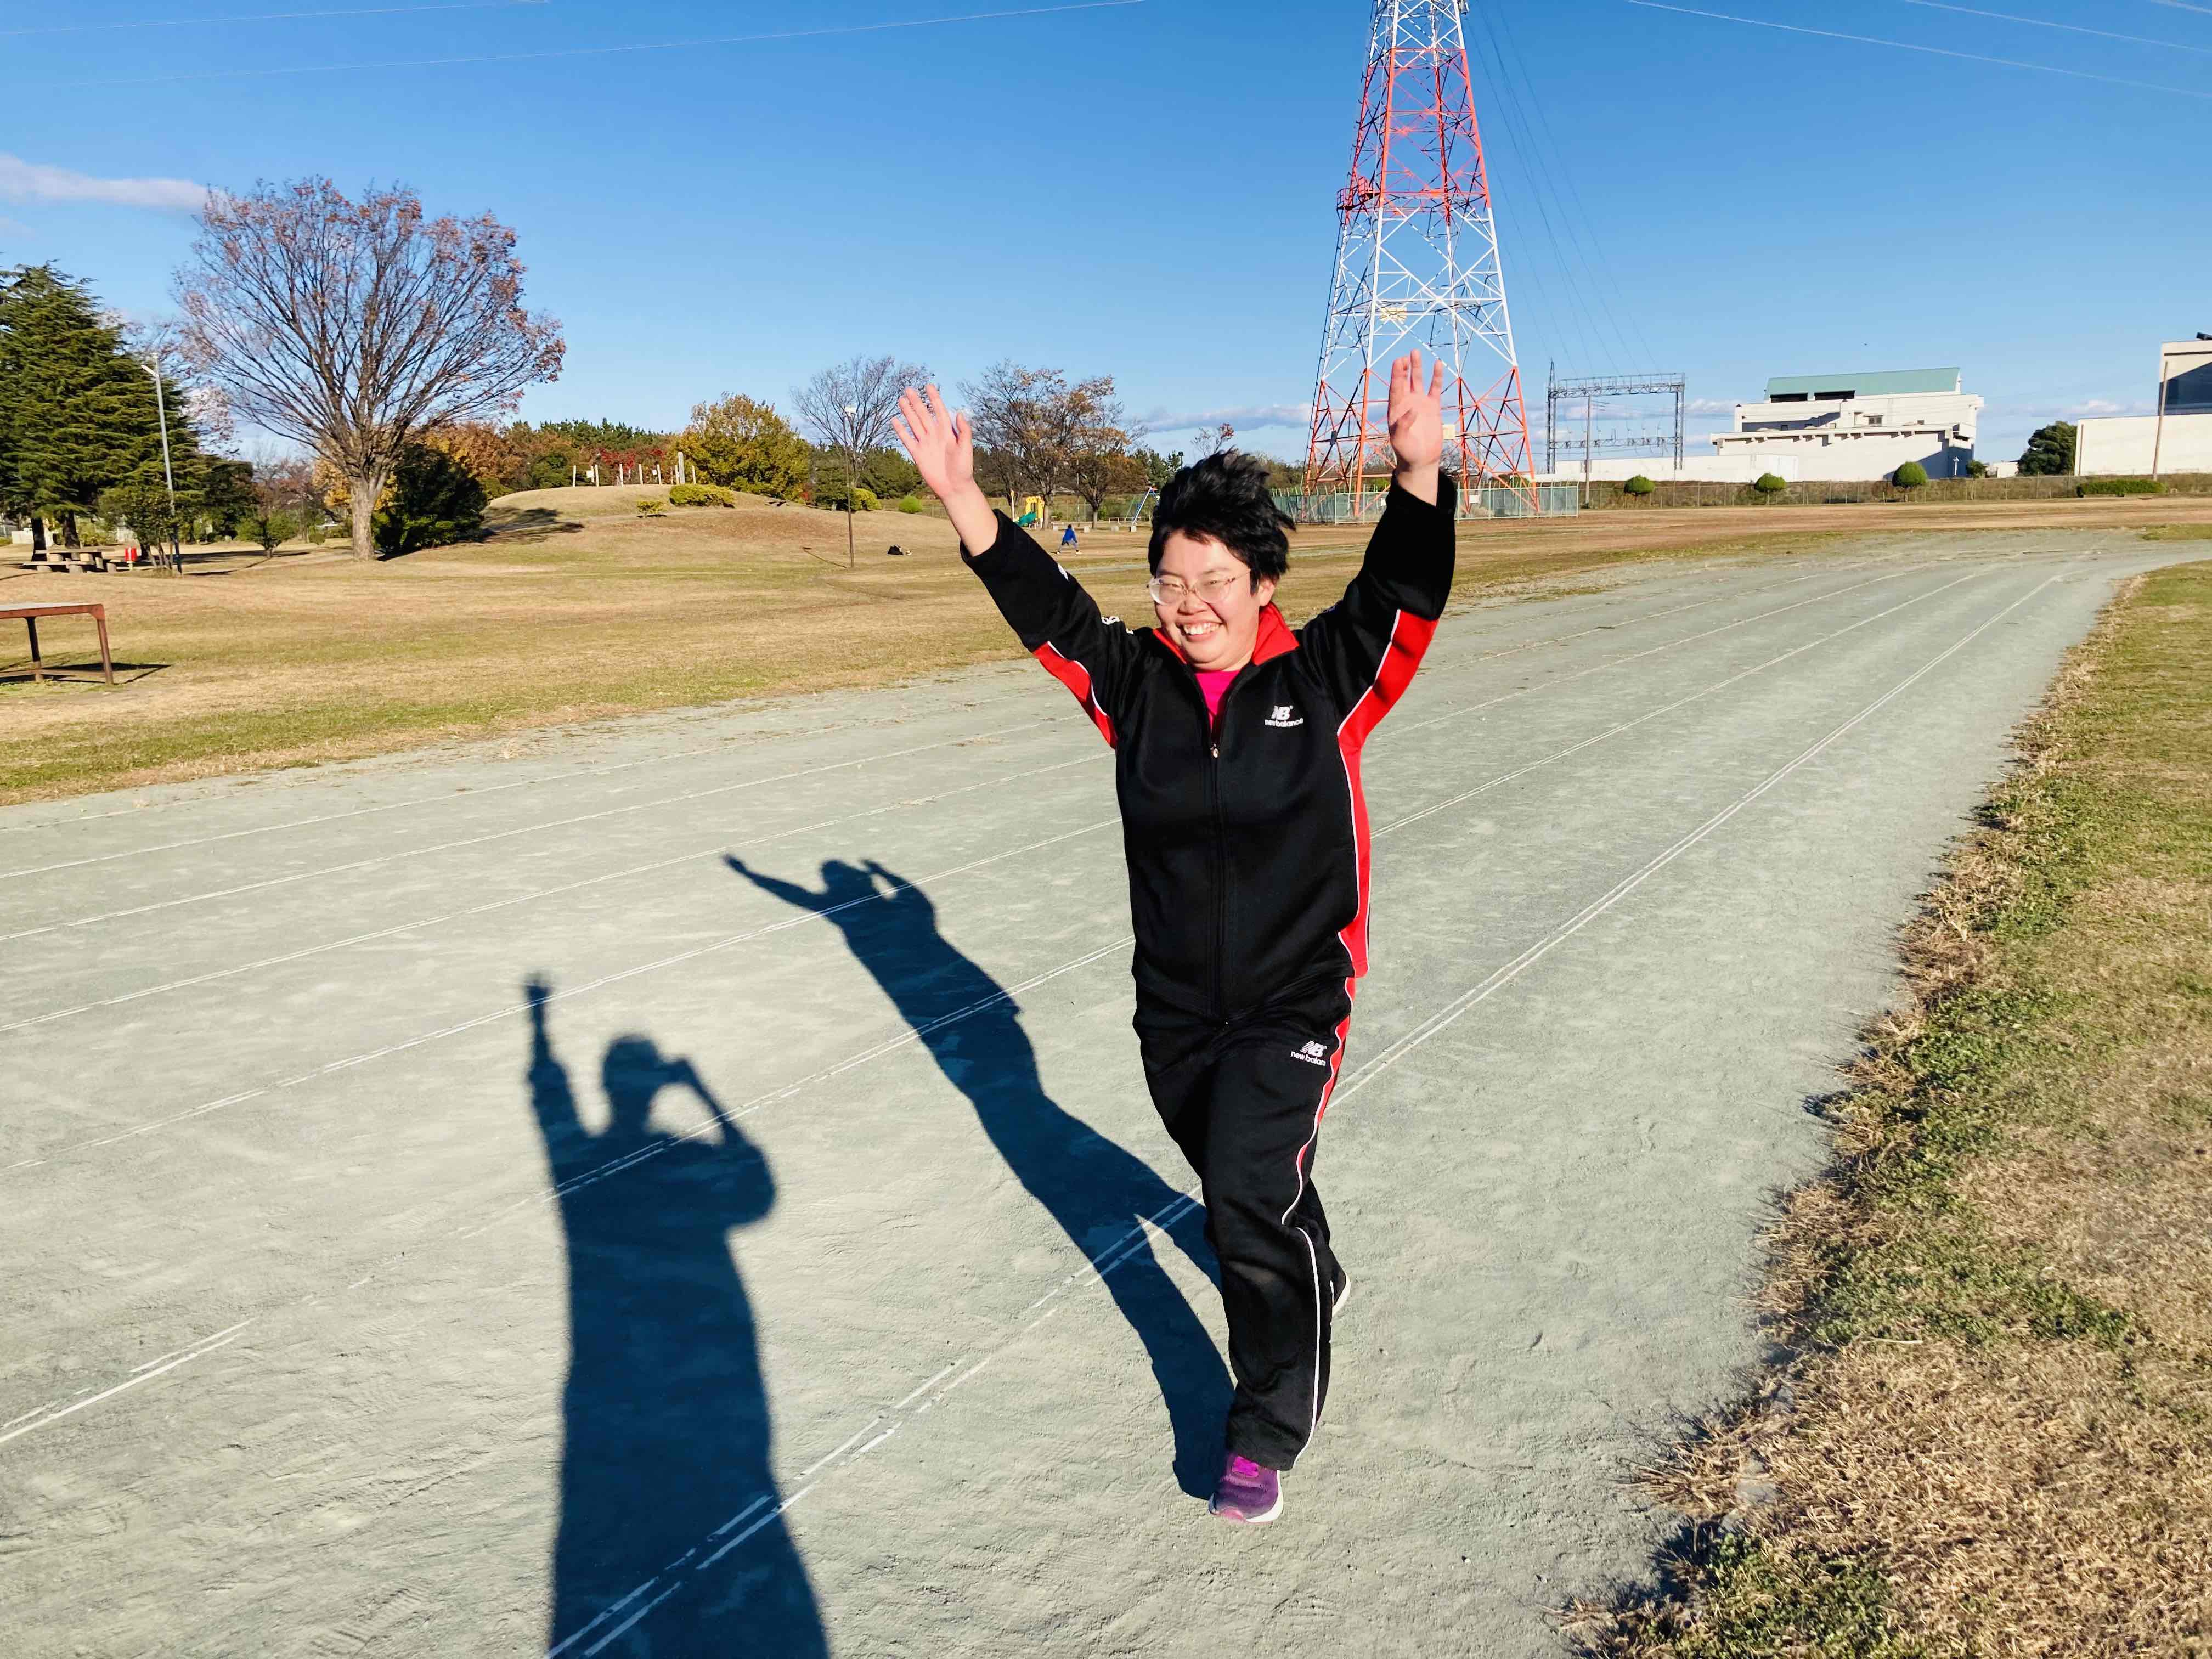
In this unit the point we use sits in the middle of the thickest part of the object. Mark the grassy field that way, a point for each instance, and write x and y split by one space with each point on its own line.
1996 1439
577 608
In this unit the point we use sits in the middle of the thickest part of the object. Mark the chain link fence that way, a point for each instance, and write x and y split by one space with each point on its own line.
1537 501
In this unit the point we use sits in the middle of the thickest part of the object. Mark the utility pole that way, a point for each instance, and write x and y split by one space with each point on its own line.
168 477
2158 433
852 480
1589 405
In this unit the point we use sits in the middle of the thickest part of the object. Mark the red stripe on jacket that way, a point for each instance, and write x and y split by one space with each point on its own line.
1076 679
1409 642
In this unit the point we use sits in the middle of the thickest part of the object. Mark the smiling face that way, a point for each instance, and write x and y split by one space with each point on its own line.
1215 629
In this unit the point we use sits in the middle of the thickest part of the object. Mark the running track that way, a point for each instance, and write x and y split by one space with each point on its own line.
286 1324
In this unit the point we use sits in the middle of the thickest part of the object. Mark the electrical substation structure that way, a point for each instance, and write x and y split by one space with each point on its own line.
1588 392
1417 265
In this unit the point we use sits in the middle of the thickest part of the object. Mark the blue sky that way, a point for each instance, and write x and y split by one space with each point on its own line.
1146 189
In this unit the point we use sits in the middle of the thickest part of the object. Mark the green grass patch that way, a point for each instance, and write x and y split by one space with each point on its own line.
1755 1603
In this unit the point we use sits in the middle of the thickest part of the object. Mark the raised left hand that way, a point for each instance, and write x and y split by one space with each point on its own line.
1416 417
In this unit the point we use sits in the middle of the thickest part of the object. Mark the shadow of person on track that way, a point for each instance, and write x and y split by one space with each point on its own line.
672 1542
1094 1189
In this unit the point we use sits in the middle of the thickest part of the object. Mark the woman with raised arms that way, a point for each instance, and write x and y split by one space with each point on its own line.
1237 743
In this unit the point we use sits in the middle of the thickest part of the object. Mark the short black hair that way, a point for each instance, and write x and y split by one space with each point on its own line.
1225 498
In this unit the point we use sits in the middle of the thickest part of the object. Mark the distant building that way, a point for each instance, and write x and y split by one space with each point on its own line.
2176 439
1858 426
1834 427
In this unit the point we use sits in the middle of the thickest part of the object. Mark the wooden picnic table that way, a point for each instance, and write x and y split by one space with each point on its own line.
31 613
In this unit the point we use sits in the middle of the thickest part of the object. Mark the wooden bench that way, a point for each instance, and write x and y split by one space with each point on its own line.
31 613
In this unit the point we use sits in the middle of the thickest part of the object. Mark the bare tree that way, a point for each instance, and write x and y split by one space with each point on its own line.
1211 441
848 407
353 327
1043 435
1099 462
1011 409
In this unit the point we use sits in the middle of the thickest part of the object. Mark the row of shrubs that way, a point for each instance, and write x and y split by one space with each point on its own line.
704 495
1913 476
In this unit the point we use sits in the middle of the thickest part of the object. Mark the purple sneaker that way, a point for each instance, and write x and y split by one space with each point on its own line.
1247 1492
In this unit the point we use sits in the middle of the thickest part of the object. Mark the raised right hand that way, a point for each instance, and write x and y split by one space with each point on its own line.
941 444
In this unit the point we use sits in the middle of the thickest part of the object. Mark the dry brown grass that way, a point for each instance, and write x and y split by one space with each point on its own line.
1997 1439
576 609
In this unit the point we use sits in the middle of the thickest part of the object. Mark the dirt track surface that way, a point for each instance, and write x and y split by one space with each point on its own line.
342 1318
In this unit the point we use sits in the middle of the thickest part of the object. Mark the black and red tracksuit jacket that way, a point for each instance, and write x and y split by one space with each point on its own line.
1246 836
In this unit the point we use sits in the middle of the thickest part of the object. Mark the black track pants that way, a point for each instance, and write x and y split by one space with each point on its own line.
1244 1101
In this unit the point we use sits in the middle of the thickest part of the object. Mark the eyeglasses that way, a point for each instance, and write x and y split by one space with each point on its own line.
1168 590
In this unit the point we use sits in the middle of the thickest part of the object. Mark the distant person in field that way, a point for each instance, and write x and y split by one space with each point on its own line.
1067 536
1237 743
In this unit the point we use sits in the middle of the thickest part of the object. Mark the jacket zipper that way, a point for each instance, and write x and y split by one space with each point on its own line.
1220 849
1220 830
1220 872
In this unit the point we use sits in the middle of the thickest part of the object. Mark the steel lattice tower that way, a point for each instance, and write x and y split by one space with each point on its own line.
1417 265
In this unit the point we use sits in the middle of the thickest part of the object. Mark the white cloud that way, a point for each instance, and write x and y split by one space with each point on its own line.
2080 409
27 181
1168 421
1707 405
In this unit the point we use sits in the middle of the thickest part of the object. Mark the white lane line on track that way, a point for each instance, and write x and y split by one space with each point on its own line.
906 1038
719 844
1653 651
557 823
386 933
279 881
507 834
1157 1226
508 1013
1113 1254
1667 708
1512 970
457 795
1115 947
243 1096
145 1373
398 806
1106 1261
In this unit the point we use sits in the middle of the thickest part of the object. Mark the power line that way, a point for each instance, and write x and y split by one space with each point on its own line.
1506 108
1939 51
2183 5
603 52
2071 28
269 17
1582 224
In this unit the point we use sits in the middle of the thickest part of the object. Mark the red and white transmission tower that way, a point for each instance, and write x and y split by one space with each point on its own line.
1417 265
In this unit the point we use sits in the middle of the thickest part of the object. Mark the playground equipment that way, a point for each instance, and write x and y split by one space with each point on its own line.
1032 512
1143 501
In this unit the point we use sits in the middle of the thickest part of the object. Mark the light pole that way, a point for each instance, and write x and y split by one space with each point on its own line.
852 477
153 367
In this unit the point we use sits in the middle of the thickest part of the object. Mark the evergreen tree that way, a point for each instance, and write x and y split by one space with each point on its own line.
2050 452
76 409
433 502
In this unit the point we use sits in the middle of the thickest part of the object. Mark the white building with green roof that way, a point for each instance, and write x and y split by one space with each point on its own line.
1855 426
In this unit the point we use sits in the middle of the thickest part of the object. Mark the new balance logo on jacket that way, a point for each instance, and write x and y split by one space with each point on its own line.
1313 1053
